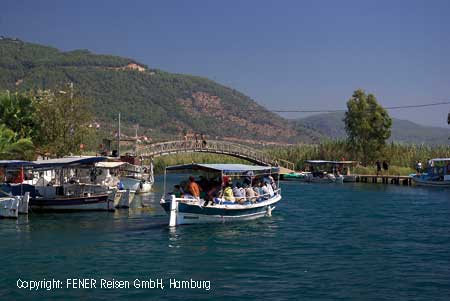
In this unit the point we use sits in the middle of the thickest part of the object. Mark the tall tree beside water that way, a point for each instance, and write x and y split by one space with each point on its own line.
63 120
368 126
17 126
10 148
17 114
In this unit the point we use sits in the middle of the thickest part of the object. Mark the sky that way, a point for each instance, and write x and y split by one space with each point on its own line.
299 55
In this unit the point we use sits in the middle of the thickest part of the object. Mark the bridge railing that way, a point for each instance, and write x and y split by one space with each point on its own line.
214 146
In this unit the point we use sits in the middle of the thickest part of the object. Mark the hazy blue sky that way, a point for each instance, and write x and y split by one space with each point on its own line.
284 54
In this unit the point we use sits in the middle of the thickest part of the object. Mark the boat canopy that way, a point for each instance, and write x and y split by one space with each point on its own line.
241 169
330 162
440 159
66 162
15 163
110 165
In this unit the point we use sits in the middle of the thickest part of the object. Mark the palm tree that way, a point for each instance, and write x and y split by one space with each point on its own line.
22 149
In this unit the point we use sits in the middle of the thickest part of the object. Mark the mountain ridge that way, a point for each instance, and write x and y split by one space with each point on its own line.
403 131
163 104
166 105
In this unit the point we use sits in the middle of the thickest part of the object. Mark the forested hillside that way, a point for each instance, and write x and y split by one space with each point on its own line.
164 105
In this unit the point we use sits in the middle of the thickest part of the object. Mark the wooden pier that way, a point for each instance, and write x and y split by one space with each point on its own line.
384 179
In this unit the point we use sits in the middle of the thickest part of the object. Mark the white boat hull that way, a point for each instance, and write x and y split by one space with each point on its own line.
190 218
136 185
327 178
9 207
229 213
24 203
124 198
130 183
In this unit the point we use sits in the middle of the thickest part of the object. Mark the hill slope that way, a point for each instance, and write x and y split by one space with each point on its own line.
163 104
332 125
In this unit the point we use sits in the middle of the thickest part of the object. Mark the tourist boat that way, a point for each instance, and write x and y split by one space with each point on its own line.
190 210
322 171
65 192
344 168
437 174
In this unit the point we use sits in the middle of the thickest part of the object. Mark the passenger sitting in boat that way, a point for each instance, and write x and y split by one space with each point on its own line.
178 191
237 193
264 189
203 183
272 183
228 193
257 192
213 192
269 189
249 193
193 187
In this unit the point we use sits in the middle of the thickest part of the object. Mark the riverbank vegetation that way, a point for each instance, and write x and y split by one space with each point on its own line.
43 122
401 157
60 123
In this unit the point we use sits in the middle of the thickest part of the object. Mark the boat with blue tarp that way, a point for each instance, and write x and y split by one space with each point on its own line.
227 192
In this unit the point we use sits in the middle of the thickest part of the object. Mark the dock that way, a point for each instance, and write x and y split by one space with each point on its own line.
384 179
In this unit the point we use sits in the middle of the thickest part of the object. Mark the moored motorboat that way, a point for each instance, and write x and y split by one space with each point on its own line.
65 192
14 197
215 207
437 174
324 171
295 176
137 181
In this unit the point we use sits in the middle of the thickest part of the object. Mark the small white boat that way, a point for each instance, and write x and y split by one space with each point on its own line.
190 210
14 198
9 207
12 206
437 175
134 178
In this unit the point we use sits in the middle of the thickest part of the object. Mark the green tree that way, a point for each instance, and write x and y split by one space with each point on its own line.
22 149
17 114
368 126
64 121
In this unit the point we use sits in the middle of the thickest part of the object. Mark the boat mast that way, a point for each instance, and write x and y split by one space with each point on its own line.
136 141
118 139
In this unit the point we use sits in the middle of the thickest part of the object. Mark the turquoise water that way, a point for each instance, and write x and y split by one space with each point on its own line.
327 242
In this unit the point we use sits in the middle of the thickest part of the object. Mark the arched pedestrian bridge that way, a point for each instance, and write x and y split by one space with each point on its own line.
212 146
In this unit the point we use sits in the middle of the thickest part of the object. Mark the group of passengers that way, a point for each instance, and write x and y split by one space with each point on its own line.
250 190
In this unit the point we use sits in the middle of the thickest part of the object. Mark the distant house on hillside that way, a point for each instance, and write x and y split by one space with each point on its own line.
134 66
